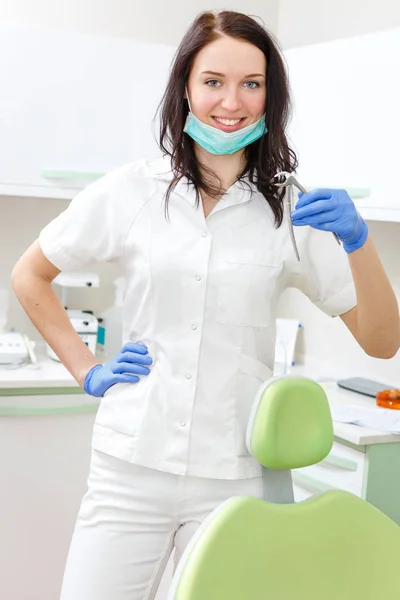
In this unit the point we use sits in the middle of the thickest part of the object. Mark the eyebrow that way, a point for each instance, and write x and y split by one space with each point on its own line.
222 75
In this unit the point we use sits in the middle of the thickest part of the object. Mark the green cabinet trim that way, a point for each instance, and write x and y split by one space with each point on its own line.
311 484
41 391
339 461
70 175
381 484
45 411
343 442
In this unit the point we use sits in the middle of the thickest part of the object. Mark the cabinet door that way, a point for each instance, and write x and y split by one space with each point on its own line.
317 129
342 469
44 463
346 121
74 106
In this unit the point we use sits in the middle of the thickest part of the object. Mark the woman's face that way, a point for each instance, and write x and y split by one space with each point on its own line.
226 86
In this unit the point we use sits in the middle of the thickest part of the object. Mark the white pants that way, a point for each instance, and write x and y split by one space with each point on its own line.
130 520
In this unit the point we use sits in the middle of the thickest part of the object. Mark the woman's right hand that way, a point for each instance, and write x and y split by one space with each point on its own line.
125 367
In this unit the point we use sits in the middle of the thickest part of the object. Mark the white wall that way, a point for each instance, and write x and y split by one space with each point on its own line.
308 22
21 221
303 22
162 21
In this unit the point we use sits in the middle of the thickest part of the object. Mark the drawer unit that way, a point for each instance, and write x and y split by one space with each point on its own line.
342 469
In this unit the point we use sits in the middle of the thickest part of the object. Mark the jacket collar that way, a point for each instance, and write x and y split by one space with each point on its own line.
241 191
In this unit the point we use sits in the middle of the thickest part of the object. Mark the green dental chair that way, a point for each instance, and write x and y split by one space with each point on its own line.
334 546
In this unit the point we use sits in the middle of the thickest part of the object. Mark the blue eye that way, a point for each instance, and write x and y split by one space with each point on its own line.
254 84
211 82
251 85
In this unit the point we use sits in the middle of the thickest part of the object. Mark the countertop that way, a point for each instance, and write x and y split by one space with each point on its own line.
52 374
47 373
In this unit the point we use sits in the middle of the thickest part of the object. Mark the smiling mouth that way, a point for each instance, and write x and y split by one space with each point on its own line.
228 124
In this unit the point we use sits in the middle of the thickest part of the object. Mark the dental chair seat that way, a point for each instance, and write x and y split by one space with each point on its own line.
334 546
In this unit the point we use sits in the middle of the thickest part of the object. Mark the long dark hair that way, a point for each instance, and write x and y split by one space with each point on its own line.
264 157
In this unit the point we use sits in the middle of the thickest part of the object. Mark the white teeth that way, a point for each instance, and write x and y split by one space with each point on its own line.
228 121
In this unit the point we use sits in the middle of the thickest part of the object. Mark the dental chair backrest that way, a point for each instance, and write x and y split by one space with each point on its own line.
290 426
334 546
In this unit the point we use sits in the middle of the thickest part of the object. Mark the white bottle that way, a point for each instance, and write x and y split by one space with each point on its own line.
110 323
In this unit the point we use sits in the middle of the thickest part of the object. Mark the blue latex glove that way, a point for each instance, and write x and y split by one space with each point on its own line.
125 367
332 210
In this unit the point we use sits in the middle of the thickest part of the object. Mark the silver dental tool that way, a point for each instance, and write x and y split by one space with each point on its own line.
286 179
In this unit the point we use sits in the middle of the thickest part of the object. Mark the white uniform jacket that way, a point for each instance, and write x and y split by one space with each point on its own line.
202 294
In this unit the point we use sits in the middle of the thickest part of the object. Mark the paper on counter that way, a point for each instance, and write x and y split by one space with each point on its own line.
382 419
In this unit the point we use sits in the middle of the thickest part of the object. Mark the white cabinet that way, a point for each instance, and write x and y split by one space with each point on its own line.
45 440
44 463
369 471
74 106
346 124
342 469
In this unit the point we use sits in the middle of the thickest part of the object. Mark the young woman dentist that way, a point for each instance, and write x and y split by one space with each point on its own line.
200 239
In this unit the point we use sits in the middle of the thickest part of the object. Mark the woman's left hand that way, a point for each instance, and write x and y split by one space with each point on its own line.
332 210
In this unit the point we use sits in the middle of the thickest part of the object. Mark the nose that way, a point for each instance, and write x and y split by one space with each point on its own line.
231 101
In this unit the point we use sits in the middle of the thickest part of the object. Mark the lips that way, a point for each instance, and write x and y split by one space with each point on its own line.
228 128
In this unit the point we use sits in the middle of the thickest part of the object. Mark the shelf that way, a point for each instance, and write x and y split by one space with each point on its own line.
47 411
60 193
29 191
391 215
62 175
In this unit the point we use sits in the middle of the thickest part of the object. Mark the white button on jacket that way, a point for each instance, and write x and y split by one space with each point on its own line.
202 294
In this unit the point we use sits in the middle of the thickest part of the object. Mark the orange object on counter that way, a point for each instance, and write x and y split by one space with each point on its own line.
388 399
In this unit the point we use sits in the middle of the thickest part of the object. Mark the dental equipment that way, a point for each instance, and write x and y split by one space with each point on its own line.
286 179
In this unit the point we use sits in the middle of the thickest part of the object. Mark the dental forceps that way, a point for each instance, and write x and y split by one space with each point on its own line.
286 179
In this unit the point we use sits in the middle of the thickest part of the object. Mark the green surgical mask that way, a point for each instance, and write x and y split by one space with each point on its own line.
219 142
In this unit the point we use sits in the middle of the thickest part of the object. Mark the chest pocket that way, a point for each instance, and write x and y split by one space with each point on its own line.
246 288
